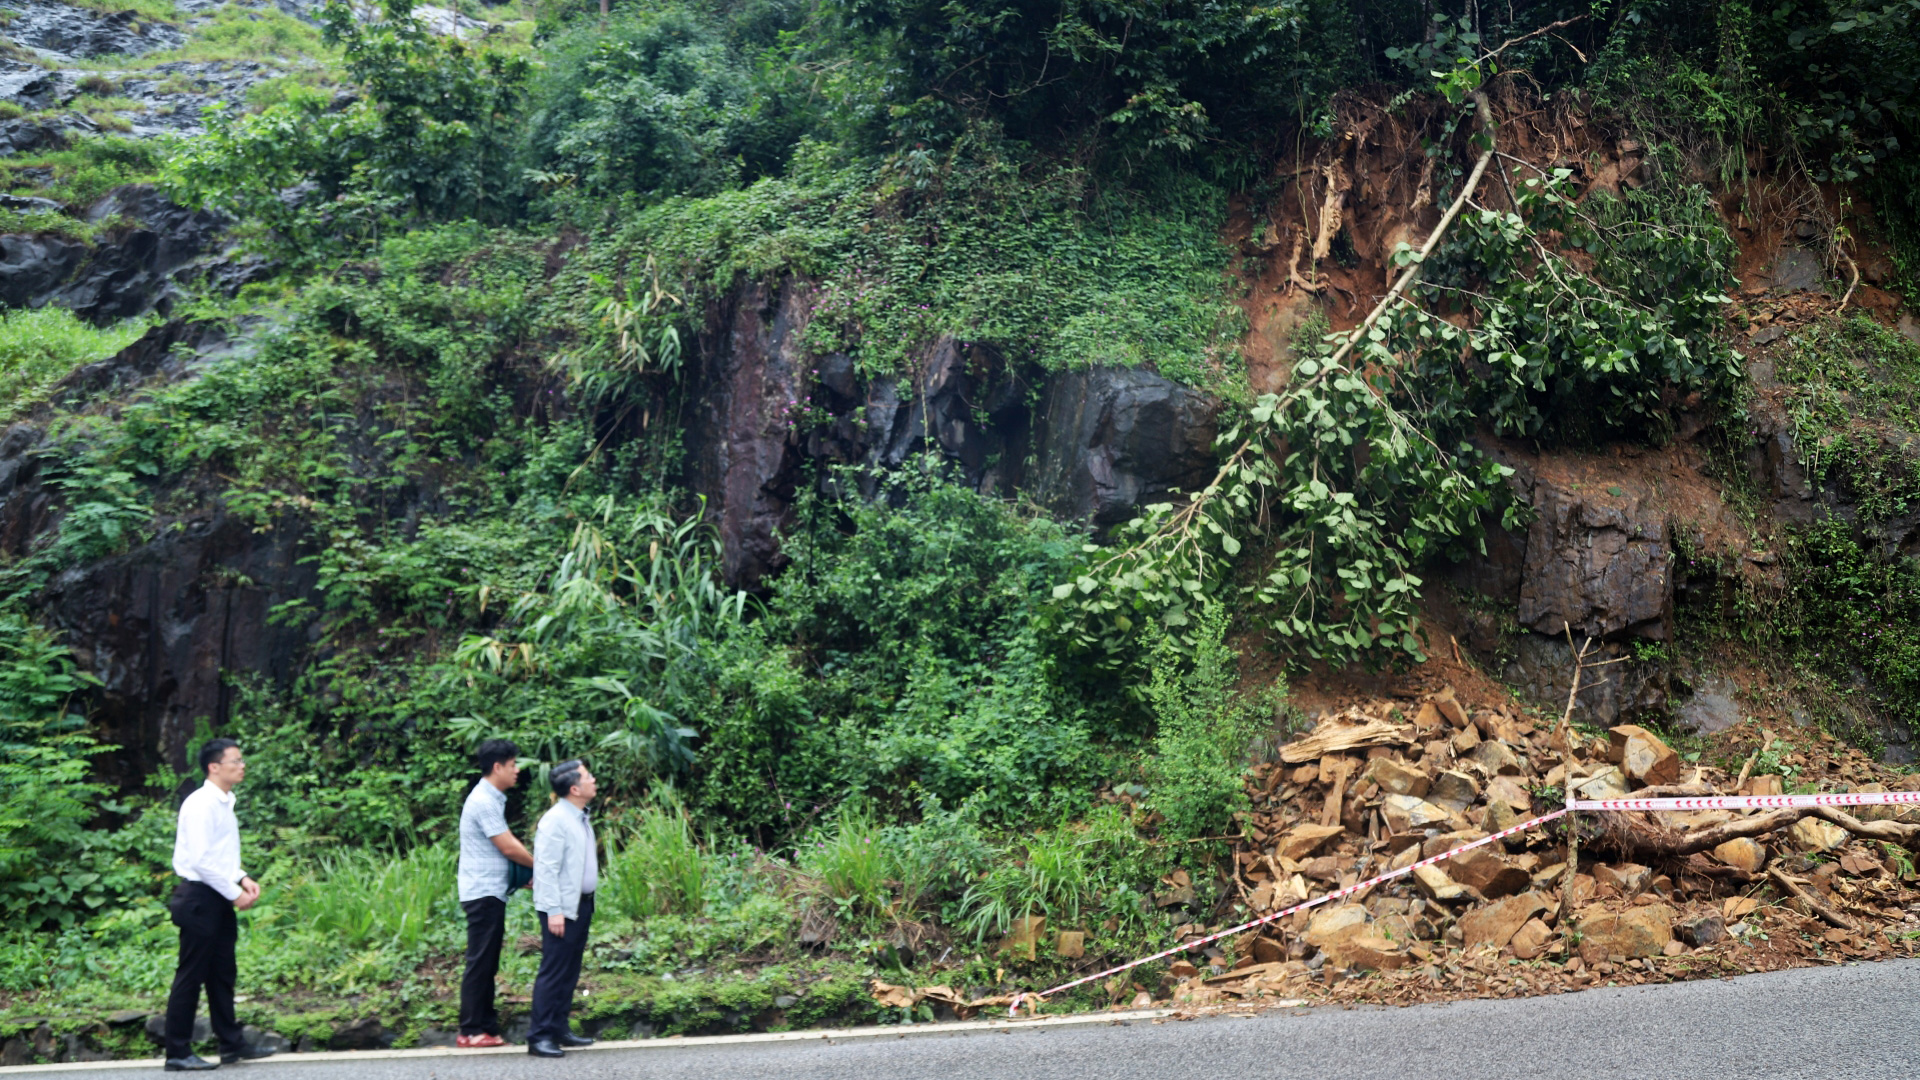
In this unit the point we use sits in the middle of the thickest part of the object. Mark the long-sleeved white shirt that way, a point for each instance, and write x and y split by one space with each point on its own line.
206 841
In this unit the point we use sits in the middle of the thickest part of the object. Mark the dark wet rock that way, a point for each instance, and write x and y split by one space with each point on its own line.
1597 560
767 416
1116 438
132 272
32 267
127 271
1795 269
362 1034
28 204
157 1029
63 32
746 387
1541 669
1711 709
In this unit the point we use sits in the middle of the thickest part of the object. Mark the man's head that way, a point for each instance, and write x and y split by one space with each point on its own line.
499 762
220 759
573 782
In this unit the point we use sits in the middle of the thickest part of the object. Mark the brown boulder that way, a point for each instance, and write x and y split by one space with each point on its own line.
1405 813
1641 755
1396 777
1486 870
1366 952
1302 841
1635 932
1453 790
1742 853
1532 940
1813 835
1332 924
1497 923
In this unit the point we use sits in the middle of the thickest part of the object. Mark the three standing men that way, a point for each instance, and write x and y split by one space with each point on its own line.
566 871
212 888
487 847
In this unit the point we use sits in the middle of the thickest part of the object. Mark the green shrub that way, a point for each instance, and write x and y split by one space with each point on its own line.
1068 875
850 863
362 897
1203 731
654 866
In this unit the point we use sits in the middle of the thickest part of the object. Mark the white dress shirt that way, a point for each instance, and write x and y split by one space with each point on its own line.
206 841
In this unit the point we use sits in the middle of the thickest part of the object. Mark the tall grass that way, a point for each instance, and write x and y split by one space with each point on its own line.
851 863
364 897
38 347
654 865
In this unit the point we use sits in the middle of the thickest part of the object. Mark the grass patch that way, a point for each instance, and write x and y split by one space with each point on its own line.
85 171
251 34
38 347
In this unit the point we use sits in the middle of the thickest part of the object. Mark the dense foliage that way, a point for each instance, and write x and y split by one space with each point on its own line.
493 262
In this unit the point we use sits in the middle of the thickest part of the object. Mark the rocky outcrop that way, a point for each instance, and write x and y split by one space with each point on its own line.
63 32
162 624
765 416
1597 560
34 266
127 271
1115 438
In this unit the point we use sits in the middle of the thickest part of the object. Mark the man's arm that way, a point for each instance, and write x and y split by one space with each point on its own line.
514 850
550 885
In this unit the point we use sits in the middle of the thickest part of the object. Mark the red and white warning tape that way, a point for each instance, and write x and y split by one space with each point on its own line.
1753 802
1711 802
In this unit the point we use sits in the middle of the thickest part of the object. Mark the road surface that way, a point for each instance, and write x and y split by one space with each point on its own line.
1858 1022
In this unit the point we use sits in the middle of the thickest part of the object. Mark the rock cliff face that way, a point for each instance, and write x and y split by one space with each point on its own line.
163 625
764 418
129 271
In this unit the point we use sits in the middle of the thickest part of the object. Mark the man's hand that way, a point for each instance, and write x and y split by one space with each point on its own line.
557 923
249 894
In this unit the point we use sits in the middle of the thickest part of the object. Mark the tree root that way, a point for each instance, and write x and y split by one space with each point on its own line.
1637 837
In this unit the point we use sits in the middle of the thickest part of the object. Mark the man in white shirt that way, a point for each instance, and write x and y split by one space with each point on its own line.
487 846
566 871
206 855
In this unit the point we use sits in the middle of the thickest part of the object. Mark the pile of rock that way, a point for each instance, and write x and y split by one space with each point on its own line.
1384 784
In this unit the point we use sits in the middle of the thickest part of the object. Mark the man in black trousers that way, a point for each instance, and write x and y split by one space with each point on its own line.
566 870
487 848
212 888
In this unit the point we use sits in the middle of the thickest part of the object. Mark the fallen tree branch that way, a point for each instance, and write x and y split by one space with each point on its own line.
1891 831
1631 836
1830 916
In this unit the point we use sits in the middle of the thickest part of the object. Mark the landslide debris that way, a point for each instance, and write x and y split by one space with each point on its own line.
1384 782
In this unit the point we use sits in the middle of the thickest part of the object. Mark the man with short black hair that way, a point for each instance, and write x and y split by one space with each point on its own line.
212 887
487 847
566 870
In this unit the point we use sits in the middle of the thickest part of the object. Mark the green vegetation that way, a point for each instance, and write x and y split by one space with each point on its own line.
465 390
39 347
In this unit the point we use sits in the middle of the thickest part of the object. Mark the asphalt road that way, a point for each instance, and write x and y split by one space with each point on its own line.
1858 1022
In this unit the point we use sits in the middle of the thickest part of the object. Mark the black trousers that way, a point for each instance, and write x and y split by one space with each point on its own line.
560 957
486 929
209 927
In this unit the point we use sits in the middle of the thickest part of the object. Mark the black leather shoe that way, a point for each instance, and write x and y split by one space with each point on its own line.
246 1053
191 1063
573 1041
545 1048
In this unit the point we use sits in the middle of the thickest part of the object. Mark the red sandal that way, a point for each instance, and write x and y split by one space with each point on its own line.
475 1042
